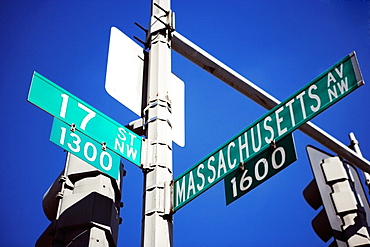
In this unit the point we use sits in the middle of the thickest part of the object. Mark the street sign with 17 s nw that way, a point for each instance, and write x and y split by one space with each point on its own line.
91 122
334 84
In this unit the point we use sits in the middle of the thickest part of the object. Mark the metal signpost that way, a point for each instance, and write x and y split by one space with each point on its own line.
321 93
73 111
259 169
157 221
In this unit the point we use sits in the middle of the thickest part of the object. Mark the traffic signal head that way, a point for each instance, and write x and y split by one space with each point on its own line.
326 224
82 199
320 223
337 187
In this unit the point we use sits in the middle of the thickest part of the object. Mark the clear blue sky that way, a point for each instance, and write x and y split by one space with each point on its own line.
278 45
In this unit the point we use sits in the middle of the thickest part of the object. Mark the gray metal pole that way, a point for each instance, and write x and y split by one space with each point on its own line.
157 222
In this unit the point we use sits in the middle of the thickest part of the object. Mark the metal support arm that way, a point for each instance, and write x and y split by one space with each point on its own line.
204 60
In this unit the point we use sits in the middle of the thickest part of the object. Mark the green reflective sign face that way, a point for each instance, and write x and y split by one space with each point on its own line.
85 148
331 86
259 169
71 110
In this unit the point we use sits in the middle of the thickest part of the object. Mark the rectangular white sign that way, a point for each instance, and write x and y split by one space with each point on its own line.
124 81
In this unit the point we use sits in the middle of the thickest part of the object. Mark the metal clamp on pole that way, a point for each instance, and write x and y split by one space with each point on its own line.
168 200
137 126
168 13
160 102
157 118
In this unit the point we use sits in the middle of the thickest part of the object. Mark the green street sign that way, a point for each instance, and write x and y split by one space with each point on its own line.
85 148
321 93
259 169
73 111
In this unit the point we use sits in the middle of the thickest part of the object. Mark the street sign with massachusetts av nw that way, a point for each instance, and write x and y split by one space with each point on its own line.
321 93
